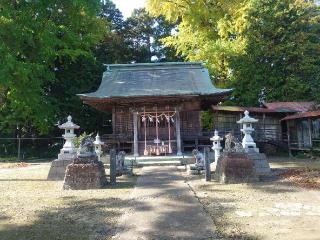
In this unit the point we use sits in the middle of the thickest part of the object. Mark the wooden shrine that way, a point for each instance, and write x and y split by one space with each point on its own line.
155 106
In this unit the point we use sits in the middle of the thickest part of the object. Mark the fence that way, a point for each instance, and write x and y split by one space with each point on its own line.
28 149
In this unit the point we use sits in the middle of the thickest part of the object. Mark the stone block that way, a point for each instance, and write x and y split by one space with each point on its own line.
82 175
261 163
58 169
235 167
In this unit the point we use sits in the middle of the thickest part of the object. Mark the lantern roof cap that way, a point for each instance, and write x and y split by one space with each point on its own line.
247 118
216 136
69 124
98 140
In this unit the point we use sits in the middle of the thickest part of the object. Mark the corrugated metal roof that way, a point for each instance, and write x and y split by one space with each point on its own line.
302 115
290 106
242 109
155 79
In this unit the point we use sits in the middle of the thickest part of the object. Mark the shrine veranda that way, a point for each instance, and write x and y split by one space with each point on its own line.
155 107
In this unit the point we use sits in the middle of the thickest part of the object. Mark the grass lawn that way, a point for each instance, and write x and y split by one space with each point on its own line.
33 208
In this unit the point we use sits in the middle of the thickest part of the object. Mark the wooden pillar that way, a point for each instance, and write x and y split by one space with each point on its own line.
135 134
288 138
114 120
264 125
178 135
310 131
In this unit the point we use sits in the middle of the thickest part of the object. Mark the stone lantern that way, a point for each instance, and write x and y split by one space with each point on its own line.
247 142
216 146
98 146
68 151
67 154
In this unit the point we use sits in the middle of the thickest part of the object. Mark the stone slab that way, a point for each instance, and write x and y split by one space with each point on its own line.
58 169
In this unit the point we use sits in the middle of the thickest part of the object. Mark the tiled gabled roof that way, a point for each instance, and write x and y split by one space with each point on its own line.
155 79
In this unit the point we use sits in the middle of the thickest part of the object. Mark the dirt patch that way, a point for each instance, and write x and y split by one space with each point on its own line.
33 208
266 210
306 178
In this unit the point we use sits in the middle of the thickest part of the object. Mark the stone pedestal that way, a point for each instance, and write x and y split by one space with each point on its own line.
58 169
194 169
85 173
235 167
260 161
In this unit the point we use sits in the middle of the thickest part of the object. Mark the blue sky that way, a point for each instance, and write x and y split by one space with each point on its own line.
127 6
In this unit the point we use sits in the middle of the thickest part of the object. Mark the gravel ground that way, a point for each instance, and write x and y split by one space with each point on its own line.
272 209
33 208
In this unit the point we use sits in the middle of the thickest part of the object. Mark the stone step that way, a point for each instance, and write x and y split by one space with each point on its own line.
159 163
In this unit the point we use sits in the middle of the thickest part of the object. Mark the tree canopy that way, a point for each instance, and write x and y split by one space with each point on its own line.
52 50
250 44
36 39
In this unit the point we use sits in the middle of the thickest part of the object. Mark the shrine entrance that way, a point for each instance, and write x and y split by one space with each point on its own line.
155 106
157 132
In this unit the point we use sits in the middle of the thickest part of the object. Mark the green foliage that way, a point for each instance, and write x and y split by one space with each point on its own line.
207 120
282 53
143 33
35 37
250 44
208 31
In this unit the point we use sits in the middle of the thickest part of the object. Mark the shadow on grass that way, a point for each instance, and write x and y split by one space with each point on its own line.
79 220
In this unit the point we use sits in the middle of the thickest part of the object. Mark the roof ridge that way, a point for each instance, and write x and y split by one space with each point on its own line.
130 65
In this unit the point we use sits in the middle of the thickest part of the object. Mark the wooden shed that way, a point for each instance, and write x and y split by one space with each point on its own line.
155 106
269 129
303 130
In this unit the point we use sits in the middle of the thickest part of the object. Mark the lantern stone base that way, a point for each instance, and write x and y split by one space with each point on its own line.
251 149
194 169
65 155
88 173
261 163
235 167
58 168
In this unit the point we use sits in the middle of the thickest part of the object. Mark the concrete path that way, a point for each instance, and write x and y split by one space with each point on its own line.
163 207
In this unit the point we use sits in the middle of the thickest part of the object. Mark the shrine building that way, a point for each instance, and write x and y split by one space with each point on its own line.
155 106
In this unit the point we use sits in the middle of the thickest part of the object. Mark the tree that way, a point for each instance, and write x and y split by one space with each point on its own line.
208 31
35 38
143 34
282 53
250 44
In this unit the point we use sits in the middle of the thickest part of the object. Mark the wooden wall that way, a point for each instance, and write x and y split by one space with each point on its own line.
190 123
268 127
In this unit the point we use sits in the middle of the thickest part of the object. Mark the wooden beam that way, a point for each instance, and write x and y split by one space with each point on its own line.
288 137
178 135
310 131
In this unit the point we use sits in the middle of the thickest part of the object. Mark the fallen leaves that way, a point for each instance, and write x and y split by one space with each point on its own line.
306 178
